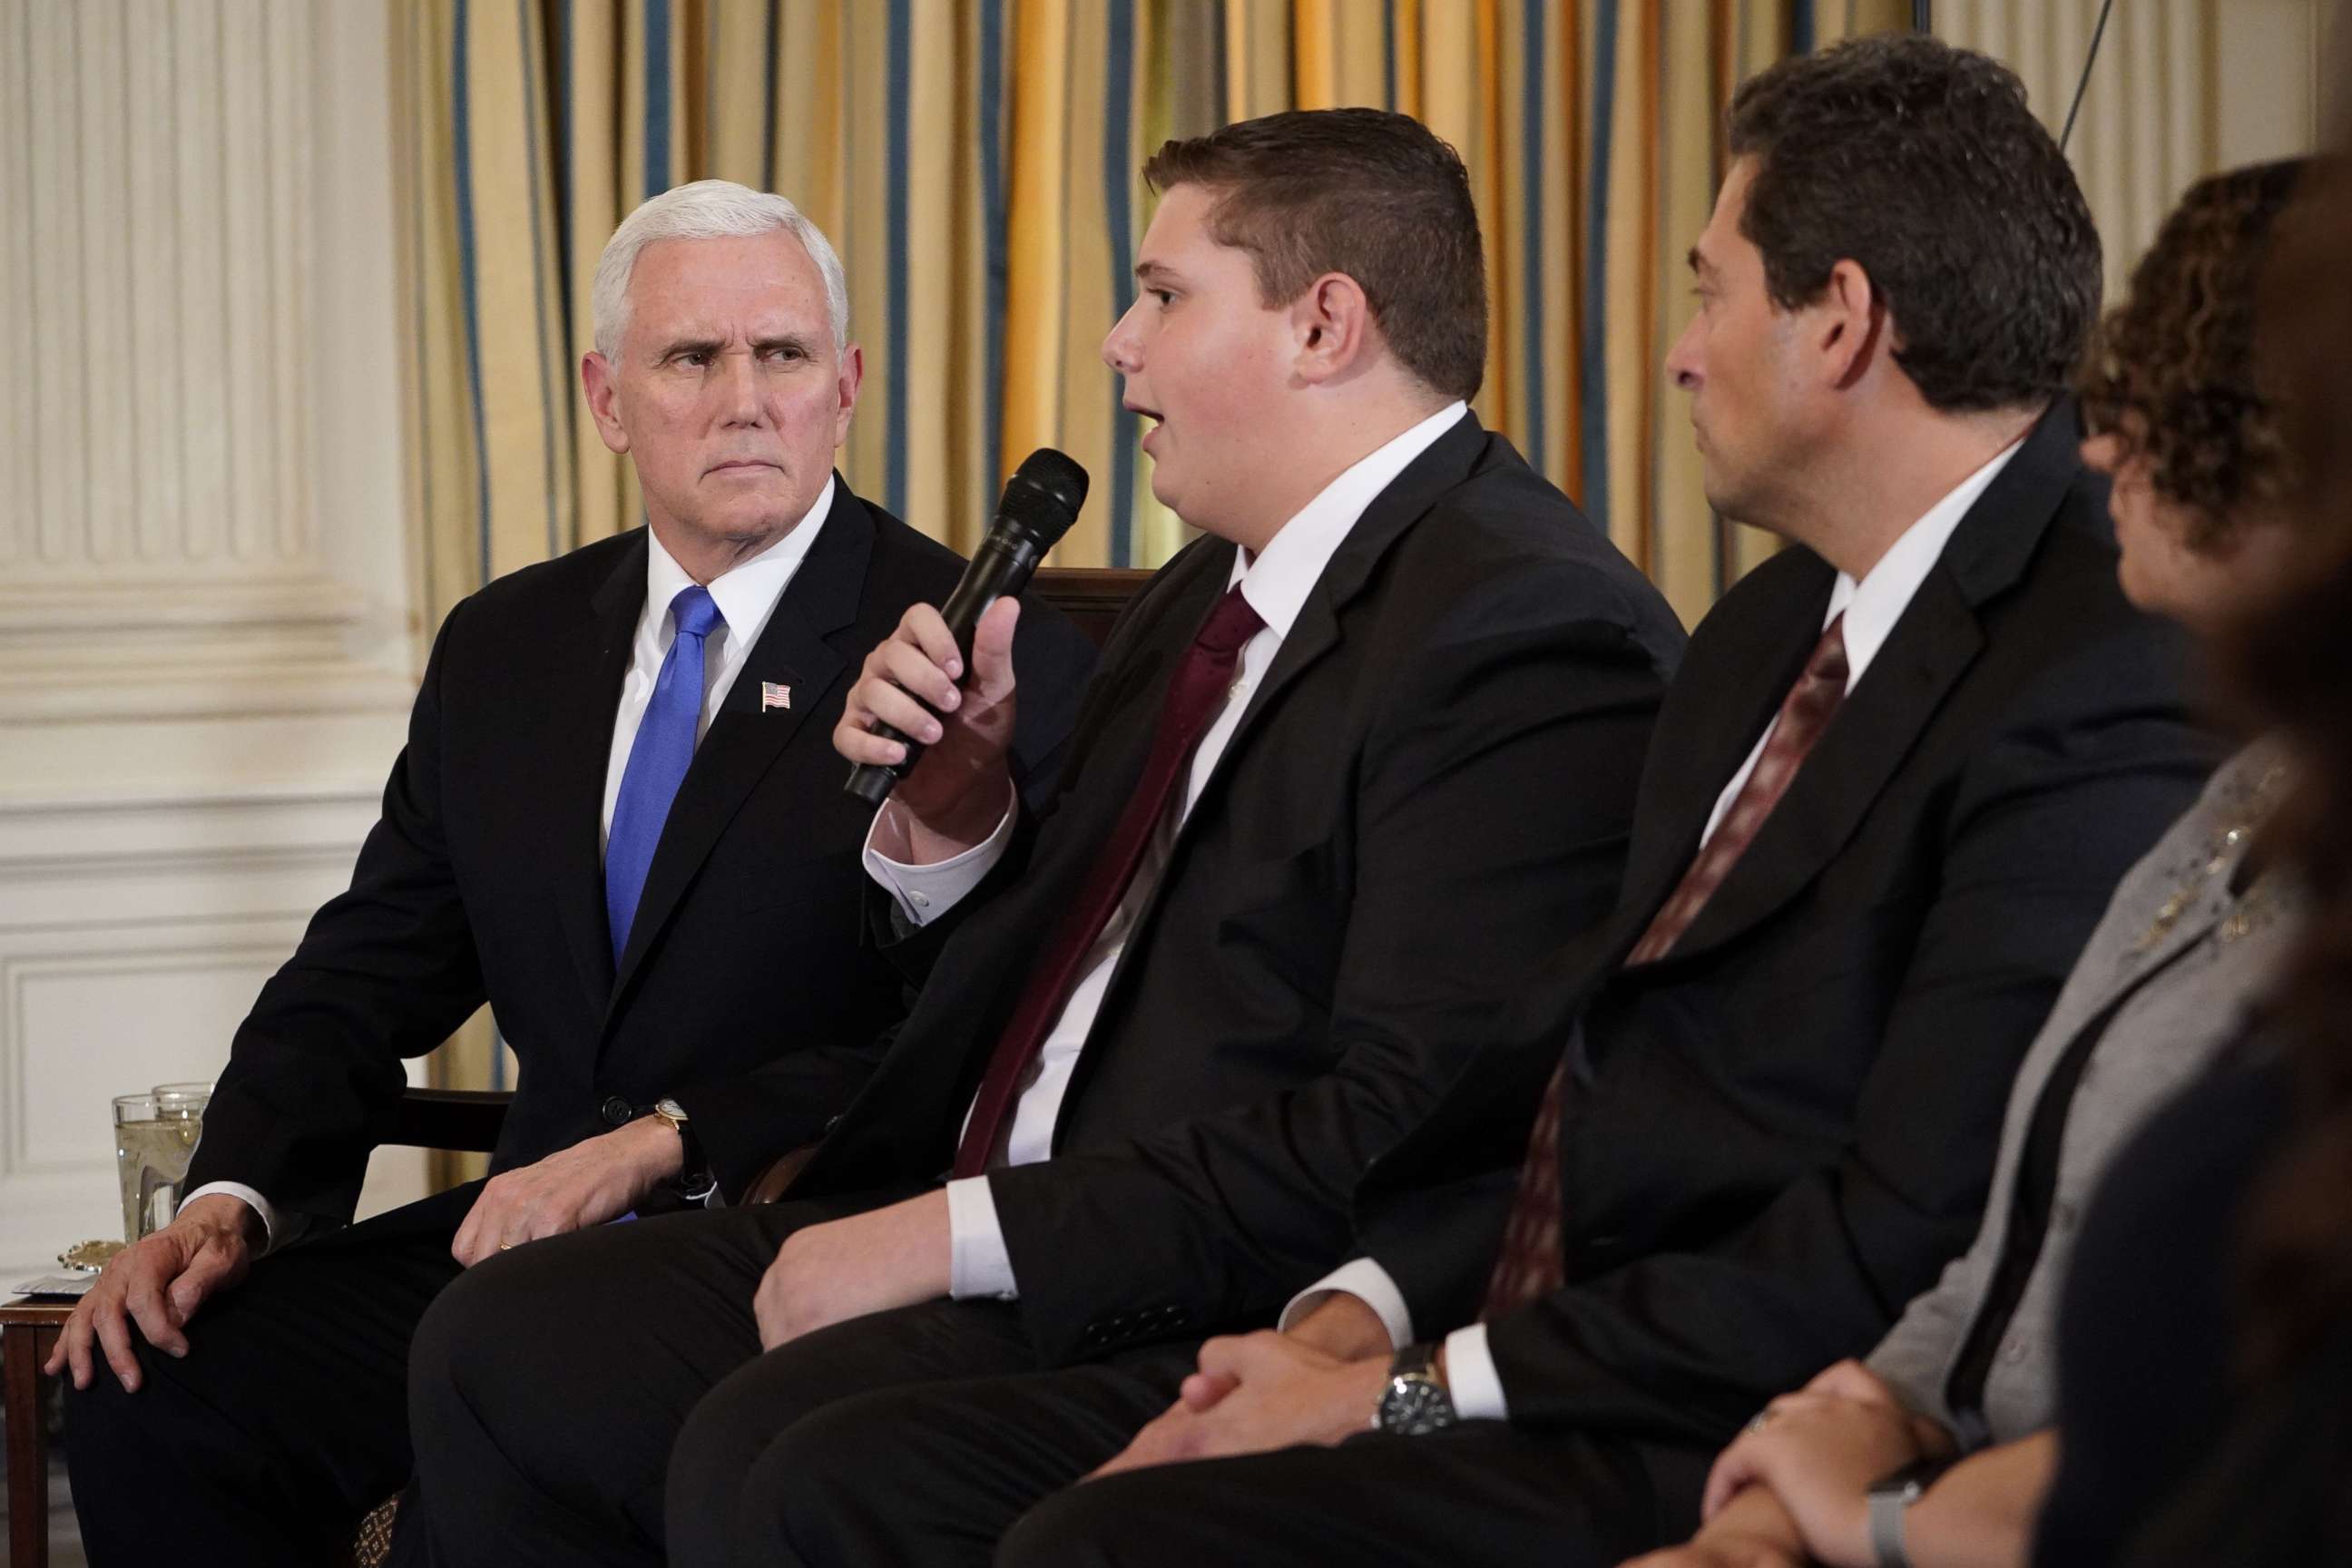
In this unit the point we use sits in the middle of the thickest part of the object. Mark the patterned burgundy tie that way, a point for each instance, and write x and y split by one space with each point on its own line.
1195 694
1530 1263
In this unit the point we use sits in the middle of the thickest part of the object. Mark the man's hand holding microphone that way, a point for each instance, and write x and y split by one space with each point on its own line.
929 721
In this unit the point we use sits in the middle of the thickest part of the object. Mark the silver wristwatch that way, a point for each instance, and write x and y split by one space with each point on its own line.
1416 1402
1890 1499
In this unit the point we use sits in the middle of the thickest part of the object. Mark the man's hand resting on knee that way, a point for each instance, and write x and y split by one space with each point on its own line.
158 1285
595 1180
845 1268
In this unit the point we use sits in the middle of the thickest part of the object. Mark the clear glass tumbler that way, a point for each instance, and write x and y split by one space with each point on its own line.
155 1135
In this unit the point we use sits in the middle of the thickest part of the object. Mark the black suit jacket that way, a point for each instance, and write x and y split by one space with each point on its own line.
1432 782
1777 1135
483 880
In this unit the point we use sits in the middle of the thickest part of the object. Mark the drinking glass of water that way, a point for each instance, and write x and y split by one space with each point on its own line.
155 1135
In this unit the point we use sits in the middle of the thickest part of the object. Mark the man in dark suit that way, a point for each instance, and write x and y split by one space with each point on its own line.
619 821
1888 795
1353 760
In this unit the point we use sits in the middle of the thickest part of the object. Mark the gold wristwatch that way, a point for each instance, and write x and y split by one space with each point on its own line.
694 1180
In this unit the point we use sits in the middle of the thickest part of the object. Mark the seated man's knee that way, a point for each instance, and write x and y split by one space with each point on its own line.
481 1349
1073 1528
711 1464
813 1492
105 1418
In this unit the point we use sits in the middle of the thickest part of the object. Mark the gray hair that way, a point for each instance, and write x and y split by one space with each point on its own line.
706 209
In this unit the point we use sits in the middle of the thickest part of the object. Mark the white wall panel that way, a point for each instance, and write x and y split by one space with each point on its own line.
206 650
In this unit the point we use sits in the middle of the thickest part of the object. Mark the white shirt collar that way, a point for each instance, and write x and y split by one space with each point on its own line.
1277 581
746 592
1872 606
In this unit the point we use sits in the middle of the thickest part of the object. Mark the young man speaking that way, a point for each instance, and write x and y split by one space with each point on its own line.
1354 762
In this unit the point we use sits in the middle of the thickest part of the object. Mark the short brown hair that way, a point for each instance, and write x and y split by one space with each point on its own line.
1363 192
2174 371
1922 164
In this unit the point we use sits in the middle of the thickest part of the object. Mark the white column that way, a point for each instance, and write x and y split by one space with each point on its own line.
206 647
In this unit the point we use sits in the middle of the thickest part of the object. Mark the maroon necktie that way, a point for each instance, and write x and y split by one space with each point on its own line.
1530 1263
1195 694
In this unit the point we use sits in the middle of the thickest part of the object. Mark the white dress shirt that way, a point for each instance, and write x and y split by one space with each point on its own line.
746 595
1276 583
1870 607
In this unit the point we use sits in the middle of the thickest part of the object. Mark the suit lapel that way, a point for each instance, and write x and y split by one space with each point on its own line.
1312 637
583 728
1449 460
1932 646
1138 710
1730 703
744 740
1934 643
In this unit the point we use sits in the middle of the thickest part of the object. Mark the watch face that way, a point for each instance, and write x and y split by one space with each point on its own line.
1415 1404
670 1108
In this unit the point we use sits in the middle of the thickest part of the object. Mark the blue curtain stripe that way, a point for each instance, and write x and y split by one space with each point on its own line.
547 408
897 136
1118 168
994 222
461 130
768 101
657 43
1532 75
1594 364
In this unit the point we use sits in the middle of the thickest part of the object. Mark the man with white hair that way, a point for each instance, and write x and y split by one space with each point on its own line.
619 821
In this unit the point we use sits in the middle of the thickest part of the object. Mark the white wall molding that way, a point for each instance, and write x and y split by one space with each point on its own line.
208 648
131 968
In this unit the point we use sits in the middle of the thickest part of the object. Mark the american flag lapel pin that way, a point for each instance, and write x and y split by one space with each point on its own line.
774 695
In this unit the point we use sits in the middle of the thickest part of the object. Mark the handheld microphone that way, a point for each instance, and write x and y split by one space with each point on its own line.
1041 501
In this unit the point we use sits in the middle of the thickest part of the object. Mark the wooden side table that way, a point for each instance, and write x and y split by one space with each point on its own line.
28 1331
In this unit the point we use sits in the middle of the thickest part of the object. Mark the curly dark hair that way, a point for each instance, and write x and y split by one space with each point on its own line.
1922 164
2173 369
1373 194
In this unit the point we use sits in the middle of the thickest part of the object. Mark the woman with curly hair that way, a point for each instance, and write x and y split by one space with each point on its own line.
1941 1447
2245 1184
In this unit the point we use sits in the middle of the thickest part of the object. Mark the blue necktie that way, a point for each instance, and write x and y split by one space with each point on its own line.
657 762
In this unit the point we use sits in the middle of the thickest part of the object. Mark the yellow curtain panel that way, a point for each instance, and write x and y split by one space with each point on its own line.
975 163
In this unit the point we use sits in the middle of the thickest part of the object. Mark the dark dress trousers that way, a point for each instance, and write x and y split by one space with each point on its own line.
1430 785
1772 1138
482 881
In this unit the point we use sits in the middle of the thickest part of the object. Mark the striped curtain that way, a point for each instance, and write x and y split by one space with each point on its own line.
975 161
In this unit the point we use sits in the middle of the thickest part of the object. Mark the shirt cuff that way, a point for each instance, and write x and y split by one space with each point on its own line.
978 1264
1471 1379
1368 1283
278 1229
924 893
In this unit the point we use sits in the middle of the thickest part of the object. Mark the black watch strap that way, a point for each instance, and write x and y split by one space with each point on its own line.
694 1180
1416 1401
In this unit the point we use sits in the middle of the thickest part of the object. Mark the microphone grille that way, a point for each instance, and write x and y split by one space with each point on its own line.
1043 495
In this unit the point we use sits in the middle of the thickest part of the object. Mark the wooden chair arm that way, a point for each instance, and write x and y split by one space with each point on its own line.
773 1183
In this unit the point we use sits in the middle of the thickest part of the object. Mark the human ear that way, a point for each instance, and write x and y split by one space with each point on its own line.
1849 319
597 380
1329 323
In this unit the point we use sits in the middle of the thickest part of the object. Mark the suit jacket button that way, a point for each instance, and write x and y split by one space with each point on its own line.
616 1112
